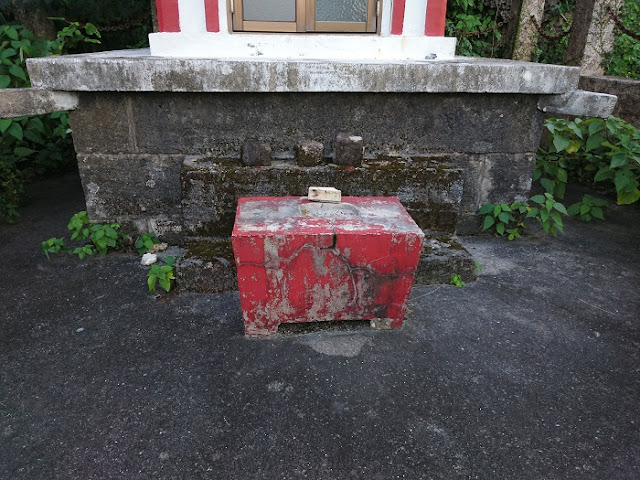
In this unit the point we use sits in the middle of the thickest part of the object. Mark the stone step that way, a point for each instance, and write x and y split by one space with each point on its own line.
430 190
442 256
208 265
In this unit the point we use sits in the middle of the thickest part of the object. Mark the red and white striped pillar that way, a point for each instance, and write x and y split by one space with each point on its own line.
409 30
408 17
418 17
193 16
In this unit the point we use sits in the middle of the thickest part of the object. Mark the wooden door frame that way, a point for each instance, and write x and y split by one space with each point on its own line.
305 20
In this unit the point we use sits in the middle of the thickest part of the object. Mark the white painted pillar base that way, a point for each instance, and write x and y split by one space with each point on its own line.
299 46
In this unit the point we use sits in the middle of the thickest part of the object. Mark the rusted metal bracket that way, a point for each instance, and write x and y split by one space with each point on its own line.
20 102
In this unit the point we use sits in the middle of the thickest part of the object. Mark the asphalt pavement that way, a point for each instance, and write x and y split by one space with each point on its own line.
532 372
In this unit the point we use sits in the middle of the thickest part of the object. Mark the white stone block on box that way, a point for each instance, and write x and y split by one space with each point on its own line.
325 194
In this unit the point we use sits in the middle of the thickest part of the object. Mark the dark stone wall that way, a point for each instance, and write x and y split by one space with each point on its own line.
217 123
132 147
627 90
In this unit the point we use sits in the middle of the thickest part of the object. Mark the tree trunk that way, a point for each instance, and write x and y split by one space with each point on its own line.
511 31
154 15
592 35
527 36
33 17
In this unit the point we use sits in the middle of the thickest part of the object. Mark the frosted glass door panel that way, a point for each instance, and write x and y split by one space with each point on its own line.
341 10
269 10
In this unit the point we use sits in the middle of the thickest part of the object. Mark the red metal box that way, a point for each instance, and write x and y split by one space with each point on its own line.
301 261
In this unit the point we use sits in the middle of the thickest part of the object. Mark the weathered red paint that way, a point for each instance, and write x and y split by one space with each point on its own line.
300 261
212 16
168 15
397 17
435 18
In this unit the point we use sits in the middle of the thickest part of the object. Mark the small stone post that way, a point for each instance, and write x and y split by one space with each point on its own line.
592 35
527 36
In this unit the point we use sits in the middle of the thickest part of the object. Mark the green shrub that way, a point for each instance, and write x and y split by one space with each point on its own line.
599 152
624 60
588 208
456 280
475 26
38 145
93 238
53 245
97 238
101 238
146 242
162 274
509 219
596 151
123 24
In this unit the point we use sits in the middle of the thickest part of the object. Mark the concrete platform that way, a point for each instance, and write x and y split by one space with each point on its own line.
138 71
531 372
155 136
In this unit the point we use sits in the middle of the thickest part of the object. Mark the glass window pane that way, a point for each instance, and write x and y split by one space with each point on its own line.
341 10
269 10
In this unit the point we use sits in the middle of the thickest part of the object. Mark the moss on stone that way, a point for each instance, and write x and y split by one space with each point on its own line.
210 191
209 249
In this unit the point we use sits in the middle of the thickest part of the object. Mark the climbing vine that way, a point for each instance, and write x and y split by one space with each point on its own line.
477 26
624 60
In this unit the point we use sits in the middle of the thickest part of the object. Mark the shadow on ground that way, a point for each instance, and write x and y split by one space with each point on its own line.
529 373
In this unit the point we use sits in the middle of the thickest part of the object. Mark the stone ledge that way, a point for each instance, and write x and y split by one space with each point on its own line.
579 103
442 256
209 267
626 89
21 102
430 191
137 70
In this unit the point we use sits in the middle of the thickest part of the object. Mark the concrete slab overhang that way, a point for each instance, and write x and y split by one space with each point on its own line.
138 71
580 103
19 102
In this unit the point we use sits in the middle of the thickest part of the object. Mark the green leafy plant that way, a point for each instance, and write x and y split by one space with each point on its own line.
78 226
146 242
596 151
53 245
102 238
71 35
84 251
105 237
12 191
456 280
476 27
478 266
123 24
509 219
547 213
504 218
98 238
624 59
588 208
556 23
162 274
